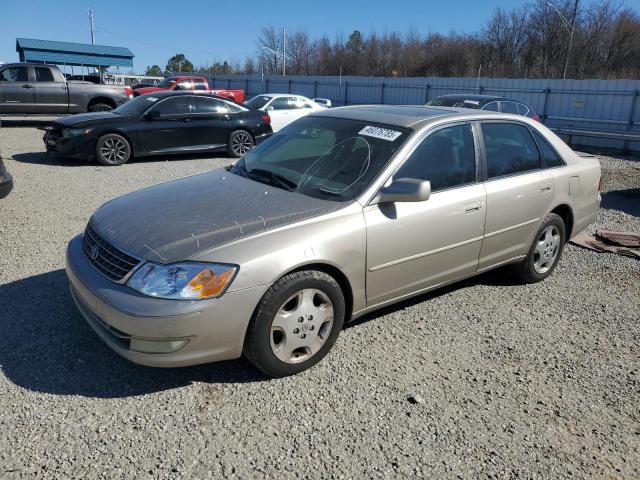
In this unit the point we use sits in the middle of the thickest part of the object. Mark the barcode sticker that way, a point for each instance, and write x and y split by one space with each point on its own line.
382 133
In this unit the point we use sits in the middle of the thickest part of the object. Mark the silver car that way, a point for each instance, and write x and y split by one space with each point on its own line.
340 213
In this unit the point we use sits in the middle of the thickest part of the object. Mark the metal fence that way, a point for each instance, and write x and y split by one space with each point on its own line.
602 105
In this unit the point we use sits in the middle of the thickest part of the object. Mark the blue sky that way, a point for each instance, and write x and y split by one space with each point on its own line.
156 29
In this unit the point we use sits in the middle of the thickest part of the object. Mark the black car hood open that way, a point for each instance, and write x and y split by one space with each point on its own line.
88 119
173 221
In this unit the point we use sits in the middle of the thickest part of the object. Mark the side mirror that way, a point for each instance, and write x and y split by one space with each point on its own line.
404 190
152 115
269 109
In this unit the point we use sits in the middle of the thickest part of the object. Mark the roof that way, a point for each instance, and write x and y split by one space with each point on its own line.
280 95
398 115
67 53
472 96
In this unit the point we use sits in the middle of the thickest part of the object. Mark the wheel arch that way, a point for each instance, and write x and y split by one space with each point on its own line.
99 99
566 213
338 275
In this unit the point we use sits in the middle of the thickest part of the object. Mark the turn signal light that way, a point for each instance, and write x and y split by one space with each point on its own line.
207 284
600 184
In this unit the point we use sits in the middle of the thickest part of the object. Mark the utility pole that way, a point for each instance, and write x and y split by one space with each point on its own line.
284 51
573 27
92 16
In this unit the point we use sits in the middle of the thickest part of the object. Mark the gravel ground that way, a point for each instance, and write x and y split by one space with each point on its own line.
485 379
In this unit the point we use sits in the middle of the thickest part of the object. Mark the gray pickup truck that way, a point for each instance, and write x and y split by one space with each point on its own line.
29 88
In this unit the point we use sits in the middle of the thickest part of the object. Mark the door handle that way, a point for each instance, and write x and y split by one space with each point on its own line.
546 188
186 120
472 207
27 86
227 118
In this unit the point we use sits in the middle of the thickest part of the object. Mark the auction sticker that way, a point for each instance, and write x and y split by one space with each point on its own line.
382 133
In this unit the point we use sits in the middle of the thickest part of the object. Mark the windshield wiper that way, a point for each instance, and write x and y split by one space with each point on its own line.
280 180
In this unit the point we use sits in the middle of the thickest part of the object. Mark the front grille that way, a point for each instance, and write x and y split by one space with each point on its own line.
107 259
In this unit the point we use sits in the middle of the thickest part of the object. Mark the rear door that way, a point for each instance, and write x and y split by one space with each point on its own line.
519 191
172 130
417 245
16 90
212 122
51 95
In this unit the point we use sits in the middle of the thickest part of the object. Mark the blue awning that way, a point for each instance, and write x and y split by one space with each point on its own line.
66 53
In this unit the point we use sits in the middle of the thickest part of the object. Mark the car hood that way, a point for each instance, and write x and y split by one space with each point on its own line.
86 119
173 221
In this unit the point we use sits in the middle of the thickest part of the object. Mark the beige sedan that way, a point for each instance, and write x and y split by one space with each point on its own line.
340 213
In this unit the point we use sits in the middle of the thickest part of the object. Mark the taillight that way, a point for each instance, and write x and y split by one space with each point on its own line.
267 119
600 184
128 90
536 117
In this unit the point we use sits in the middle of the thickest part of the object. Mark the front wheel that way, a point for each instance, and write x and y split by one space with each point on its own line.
112 149
295 324
240 142
545 251
100 107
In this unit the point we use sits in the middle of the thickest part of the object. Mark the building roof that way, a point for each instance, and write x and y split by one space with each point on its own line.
67 53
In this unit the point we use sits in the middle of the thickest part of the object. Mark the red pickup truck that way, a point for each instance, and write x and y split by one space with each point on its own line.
190 83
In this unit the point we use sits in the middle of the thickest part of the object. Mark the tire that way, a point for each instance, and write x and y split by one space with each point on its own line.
112 149
100 107
240 142
284 337
545 251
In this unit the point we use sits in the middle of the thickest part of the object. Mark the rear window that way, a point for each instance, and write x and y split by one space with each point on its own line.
509 107
43 75
510 149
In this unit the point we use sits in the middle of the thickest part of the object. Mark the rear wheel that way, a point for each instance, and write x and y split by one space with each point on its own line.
295 324
545 251
112 149
100 107
240 142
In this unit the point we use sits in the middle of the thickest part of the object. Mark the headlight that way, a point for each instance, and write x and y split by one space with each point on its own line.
72 132
183 281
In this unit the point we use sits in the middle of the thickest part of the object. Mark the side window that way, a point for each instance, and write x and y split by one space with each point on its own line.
549 156
446 158
14 74
509 149
509 107
180 105
210 105
296 103
43 75
523 109
200 84
281 103
491 106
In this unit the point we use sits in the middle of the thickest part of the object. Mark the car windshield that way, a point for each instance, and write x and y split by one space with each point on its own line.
328 158
136 106
258 102
454 102
167 82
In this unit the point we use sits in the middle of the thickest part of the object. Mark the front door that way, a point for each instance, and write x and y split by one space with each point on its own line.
16 90
519 191
171 131
282 112
415 246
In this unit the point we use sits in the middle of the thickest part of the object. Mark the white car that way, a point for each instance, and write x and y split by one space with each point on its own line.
283 108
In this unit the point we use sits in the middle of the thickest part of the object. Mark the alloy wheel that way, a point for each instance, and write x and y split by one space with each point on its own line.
241 143
113 150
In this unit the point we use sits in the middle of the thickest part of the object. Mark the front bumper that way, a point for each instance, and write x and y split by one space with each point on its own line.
78 146
214 329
